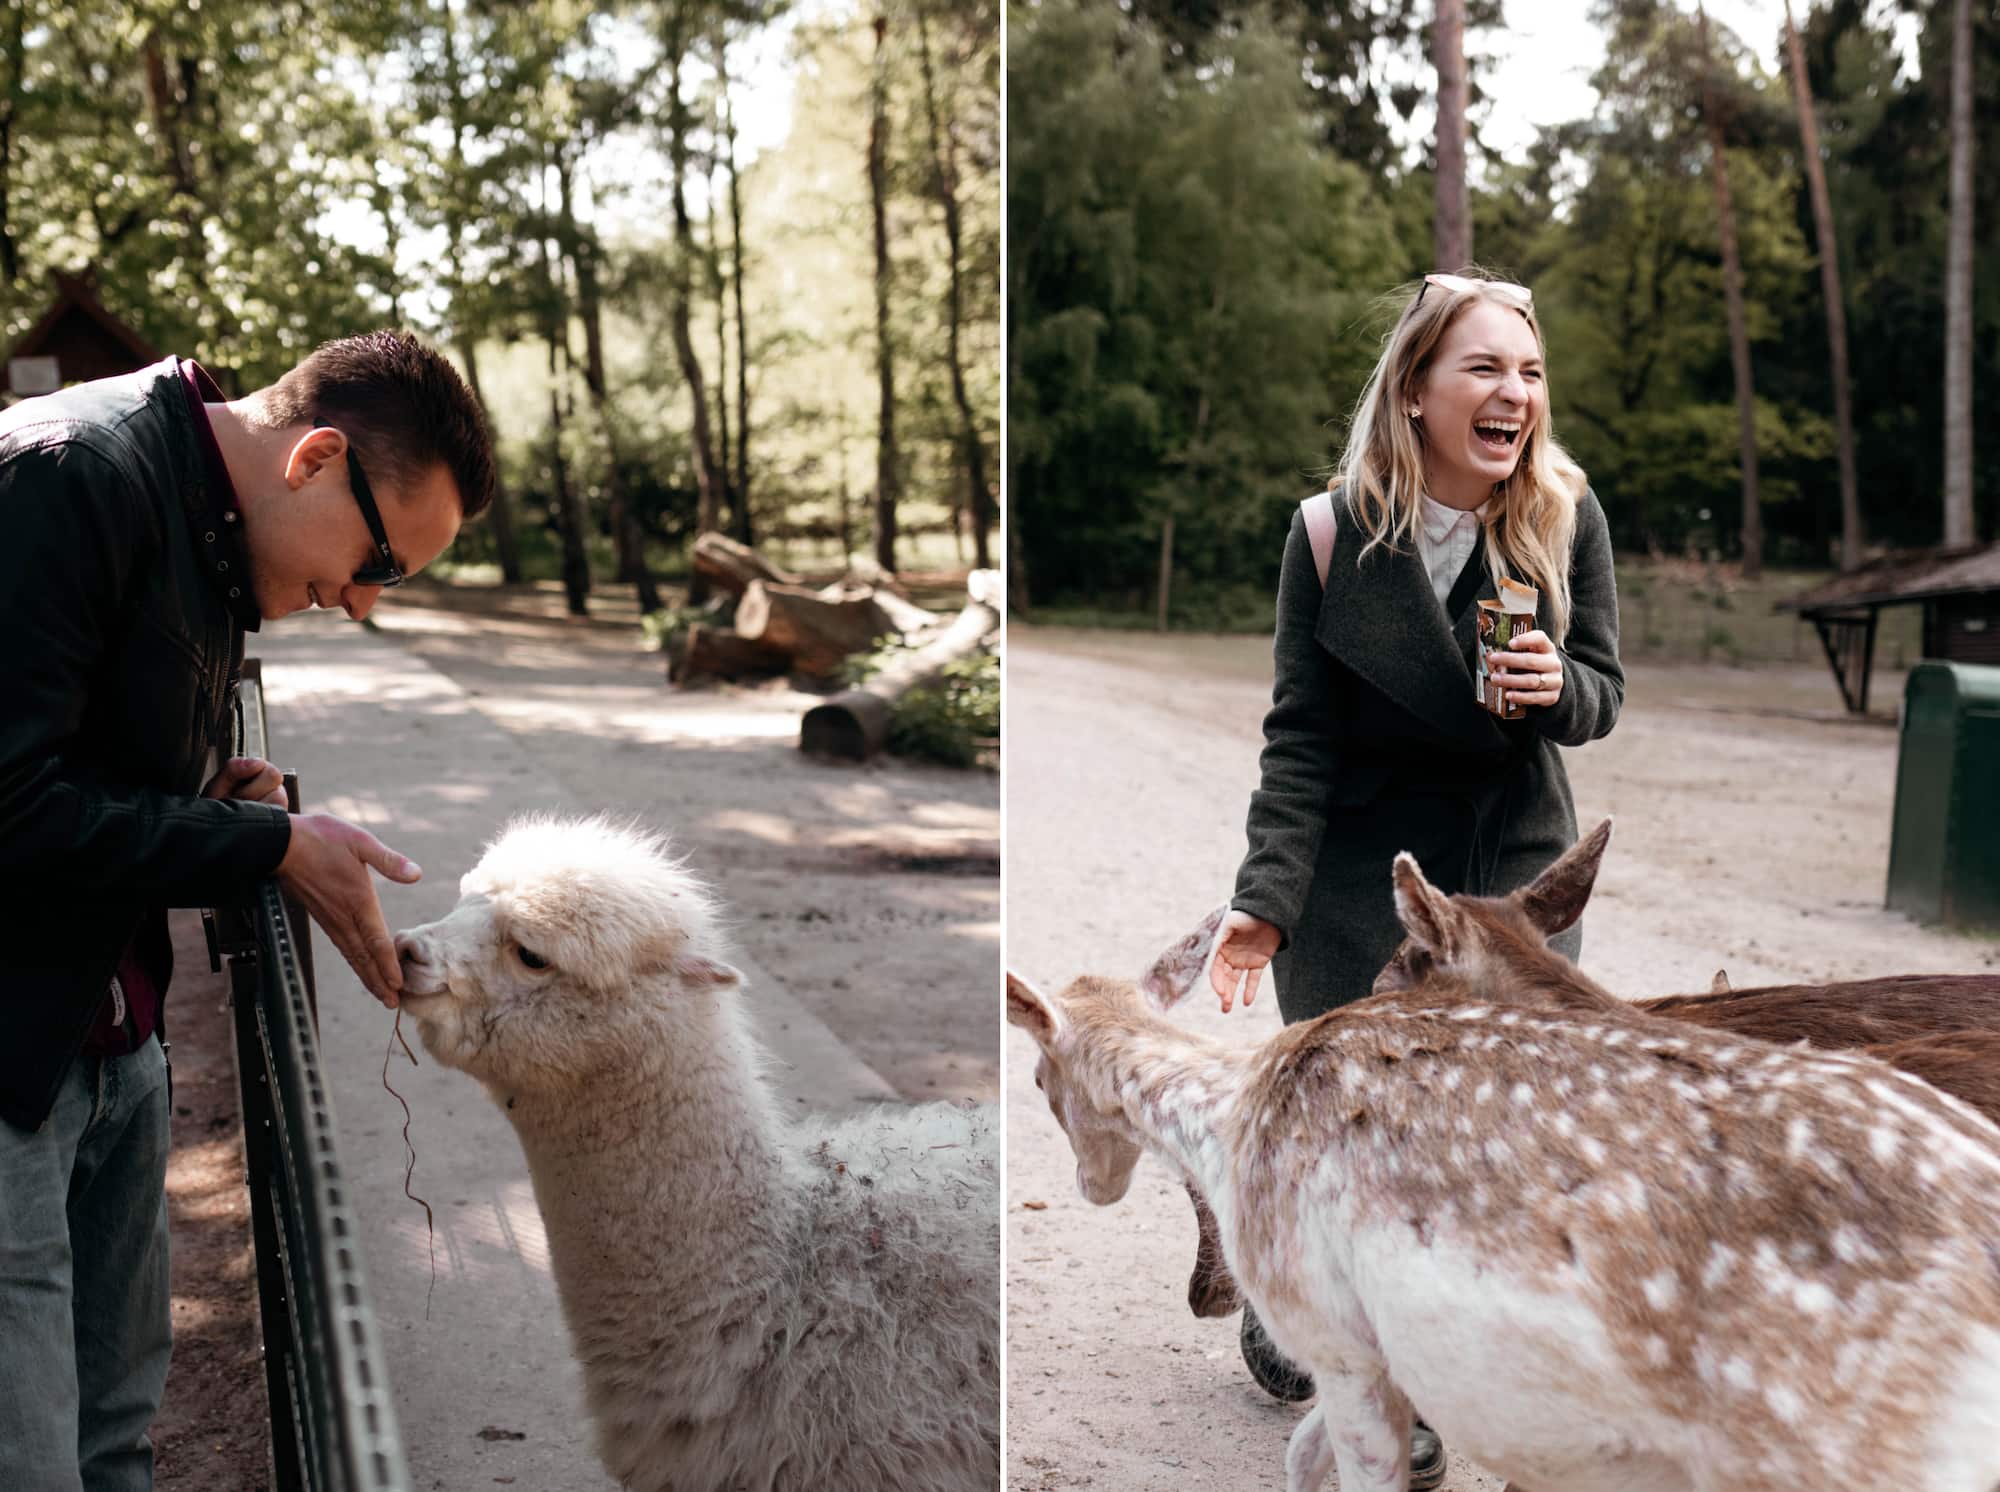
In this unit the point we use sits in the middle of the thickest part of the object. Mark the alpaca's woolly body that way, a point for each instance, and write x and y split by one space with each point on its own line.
755 1303
813 1305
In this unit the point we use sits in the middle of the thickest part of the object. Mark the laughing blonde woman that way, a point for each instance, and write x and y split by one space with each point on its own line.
1376 741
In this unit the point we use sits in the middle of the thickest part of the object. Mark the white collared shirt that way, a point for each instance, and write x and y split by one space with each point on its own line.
1446 538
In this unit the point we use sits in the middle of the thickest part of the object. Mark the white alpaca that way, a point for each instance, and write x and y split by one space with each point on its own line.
756 1304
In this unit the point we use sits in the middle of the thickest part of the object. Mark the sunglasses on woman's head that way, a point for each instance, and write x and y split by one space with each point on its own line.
1518 297
387 572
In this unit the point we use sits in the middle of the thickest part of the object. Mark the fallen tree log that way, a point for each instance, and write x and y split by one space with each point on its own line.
816 630
714 652
732 566
854 723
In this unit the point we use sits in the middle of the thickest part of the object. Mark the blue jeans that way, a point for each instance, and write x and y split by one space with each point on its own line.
84 1324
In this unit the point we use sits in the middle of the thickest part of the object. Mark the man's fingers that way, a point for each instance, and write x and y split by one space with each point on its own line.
1250 978
391 864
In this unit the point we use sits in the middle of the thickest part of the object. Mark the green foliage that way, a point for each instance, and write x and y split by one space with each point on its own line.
1182 250
954 721
1140 274
246 179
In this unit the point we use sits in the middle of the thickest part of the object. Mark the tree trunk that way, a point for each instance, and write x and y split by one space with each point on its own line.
719 286
944 168
1836 310
1958 518
569 505
886 479
16 53
625 534
745 529
1454 209
707 477
1739 336
501 514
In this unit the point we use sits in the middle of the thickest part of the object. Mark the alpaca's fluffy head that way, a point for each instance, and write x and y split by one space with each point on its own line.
575 943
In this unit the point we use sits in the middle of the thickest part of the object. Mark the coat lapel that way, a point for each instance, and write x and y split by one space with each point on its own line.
1386 625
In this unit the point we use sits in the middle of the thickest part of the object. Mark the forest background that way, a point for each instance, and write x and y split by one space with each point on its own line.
679 311
1207 208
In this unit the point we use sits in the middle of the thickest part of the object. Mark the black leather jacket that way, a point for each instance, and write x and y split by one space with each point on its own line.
120 650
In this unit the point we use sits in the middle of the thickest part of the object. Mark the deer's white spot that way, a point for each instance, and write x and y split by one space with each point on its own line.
1661 1290
1721 1263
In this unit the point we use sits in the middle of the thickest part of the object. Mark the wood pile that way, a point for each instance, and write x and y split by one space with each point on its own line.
775 624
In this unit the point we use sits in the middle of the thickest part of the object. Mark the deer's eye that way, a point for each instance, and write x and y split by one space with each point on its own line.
531 958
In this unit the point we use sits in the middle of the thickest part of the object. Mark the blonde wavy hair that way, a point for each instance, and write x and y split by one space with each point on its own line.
1530 521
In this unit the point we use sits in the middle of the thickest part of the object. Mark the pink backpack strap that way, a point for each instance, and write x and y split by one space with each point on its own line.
1318 510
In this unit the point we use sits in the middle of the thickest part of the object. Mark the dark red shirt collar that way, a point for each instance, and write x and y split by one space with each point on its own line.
218 518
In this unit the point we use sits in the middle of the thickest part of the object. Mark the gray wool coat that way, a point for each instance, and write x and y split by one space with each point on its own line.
1375 743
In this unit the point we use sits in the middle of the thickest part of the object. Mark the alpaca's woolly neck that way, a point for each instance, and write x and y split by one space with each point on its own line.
666 1189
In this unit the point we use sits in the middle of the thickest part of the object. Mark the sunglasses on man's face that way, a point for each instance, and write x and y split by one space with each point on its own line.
1516 297
386 572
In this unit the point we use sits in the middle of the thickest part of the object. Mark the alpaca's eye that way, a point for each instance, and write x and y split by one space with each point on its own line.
532 959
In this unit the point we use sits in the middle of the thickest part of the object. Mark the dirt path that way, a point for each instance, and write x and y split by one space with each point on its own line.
1752 834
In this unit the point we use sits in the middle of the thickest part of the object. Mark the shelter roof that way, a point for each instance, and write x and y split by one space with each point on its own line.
1904 575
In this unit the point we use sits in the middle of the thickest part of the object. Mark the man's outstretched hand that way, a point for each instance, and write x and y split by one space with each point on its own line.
326 867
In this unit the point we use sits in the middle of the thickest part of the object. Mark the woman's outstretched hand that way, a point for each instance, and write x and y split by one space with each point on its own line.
1242 949
1531 671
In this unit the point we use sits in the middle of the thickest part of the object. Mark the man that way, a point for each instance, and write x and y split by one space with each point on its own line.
145 525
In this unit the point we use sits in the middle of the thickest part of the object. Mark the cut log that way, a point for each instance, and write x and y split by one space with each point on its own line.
817 631
732 566
907 615
855 723
714 652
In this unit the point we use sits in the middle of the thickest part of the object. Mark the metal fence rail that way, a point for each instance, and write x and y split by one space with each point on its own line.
333 1426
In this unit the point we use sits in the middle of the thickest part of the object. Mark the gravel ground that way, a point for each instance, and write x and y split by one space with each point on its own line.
1752 835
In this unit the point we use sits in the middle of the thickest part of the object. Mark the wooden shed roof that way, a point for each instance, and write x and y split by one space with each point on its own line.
1902 576
75 296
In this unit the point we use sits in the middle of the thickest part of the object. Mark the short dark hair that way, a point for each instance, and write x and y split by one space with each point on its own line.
401 403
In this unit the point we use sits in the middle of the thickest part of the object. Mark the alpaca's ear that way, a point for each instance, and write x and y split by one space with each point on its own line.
1426 913
697 972
1558 895
1032 1011
1174 972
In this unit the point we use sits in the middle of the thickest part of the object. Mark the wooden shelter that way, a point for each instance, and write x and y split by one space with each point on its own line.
1959 590
76 339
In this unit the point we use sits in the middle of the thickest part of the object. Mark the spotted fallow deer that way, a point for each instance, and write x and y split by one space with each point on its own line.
1944 1029
1597 1251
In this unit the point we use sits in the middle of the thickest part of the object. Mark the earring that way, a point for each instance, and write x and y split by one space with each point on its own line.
1413 412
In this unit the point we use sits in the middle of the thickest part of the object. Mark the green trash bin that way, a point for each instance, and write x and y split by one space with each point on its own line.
1944 847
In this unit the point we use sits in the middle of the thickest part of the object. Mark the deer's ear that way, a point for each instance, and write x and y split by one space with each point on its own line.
1558 895
1031 1010
1426 913
1719 985
1174 972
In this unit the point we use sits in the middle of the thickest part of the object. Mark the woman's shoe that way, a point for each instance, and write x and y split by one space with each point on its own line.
1426 1458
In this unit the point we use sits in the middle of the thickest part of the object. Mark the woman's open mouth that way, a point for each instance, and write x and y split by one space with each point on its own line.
1497 436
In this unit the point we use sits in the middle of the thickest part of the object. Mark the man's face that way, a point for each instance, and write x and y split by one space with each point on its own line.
307 542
